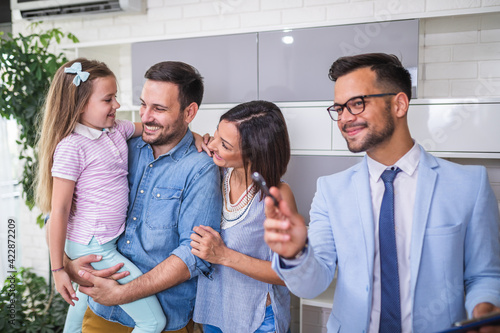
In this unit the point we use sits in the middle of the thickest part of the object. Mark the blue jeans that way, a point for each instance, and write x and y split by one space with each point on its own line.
266 327
146 312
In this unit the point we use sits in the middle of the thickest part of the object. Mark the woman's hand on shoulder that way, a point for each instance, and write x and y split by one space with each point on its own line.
201 142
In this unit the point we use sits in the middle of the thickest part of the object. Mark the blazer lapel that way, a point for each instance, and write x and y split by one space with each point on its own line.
363 203
426 182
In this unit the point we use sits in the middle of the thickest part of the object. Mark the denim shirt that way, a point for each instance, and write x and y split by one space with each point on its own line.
168 197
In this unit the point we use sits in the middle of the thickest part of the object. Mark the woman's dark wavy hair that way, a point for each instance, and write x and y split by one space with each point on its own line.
264 141
391 74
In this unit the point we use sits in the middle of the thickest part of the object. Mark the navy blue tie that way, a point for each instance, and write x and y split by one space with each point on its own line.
390 312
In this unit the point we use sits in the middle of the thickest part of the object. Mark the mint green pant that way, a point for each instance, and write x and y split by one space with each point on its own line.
146 312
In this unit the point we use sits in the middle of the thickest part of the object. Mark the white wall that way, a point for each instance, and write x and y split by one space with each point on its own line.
459 47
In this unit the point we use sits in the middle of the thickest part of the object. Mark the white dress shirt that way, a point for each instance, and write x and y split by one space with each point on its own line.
405 186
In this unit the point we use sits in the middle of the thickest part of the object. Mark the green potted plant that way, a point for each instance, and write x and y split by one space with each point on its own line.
27 66
28 304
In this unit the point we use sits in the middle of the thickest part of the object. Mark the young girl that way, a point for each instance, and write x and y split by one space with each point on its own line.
82 182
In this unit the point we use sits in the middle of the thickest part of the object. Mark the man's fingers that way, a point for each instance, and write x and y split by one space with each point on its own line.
90 258
86 276
86 290
276 237
273 211
285 209
275 192
274 225
270 208
107 272
120 275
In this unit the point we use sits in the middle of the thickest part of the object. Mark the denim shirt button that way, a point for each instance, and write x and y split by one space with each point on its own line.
142 191
158 195
151 165
128 242
134 218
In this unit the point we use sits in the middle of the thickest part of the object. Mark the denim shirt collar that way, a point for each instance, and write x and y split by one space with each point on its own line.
178 151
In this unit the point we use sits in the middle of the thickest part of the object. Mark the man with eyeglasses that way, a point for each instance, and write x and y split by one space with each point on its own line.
414 238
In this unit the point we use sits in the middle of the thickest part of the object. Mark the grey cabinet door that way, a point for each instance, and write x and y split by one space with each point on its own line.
228 64
294 64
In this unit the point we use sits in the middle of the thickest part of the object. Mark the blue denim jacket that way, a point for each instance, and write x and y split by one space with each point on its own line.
168 197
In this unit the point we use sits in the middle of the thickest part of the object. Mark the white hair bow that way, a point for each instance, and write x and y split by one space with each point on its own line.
81 76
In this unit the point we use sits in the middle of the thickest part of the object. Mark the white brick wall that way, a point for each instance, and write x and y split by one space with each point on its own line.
451 70
464 51
32 251
304 15
343 13
443 5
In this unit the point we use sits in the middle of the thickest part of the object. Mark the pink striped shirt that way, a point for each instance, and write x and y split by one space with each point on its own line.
97 161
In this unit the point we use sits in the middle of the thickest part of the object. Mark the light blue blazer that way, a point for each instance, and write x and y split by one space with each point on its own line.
455 246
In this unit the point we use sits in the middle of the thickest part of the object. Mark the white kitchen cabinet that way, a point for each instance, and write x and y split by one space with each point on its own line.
314 312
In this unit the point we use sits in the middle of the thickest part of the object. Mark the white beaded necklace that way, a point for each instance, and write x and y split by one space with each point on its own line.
233 214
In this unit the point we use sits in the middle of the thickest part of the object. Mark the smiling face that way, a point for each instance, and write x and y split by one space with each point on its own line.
375 125
164 123
100 111
226 146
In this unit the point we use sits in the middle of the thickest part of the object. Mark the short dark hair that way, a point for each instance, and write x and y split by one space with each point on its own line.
185 76
389 71
264 138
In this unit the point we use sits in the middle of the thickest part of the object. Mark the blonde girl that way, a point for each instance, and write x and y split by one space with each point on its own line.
82 182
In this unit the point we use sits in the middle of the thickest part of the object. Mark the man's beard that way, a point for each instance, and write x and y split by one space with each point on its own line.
174 132
372 139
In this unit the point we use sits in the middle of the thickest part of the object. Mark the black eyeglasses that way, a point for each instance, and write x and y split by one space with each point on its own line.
354 105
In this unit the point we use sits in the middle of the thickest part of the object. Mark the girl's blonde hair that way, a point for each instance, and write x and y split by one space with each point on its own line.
62 109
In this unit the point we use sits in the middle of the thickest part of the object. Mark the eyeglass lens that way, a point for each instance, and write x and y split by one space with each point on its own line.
355 105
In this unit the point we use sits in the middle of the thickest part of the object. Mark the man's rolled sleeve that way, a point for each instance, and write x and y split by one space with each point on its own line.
201 205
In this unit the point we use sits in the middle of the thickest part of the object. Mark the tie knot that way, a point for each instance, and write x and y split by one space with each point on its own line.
389 175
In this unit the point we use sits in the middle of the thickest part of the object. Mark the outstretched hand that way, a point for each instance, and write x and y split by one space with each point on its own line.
284 229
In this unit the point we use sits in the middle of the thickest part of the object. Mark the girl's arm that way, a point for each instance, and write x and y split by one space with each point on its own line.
137 130
208 245
62 197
